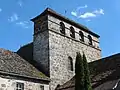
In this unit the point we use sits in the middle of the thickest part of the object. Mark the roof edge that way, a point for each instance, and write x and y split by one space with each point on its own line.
14 74
110 56
55 14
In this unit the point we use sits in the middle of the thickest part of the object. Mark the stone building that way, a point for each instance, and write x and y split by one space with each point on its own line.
55 43
17 74
49 60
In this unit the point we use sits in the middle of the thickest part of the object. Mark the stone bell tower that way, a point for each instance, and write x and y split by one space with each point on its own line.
56 41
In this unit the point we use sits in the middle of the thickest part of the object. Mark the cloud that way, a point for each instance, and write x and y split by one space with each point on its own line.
13 18
0 10
100 11
23 24
92 14
87 15
81 7
20 3
74 13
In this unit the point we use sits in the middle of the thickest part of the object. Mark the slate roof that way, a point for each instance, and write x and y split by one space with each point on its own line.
59 16
26 52
12 63
104 73
71 86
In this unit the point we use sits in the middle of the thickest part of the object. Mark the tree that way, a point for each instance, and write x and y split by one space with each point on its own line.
79 73
87 81
82 75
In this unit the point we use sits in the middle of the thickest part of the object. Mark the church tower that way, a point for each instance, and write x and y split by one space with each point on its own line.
55 43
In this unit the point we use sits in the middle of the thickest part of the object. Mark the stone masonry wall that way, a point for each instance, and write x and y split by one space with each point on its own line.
10 84
52 49
54 25
41 43
41 50
61 47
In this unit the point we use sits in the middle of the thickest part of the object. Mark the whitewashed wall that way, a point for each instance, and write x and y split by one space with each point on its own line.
10 84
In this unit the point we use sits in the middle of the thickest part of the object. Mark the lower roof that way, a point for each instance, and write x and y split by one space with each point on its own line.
13 64
104 72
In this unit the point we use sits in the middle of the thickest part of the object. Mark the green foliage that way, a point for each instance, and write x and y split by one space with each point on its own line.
82 77
79 71
87 82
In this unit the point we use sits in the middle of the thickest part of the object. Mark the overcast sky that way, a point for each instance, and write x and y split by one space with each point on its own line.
101 16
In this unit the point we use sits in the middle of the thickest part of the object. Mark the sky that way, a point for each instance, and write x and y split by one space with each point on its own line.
101 17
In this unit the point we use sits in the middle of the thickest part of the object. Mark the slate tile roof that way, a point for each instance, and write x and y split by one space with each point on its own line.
26 52
70 85
12 63
104 74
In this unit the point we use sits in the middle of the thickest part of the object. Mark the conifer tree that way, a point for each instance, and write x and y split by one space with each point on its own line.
87 81
79 73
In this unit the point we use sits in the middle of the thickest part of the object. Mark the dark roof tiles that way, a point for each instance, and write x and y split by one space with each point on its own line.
104 72
11 62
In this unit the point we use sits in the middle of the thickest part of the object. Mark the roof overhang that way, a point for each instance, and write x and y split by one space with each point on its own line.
51 12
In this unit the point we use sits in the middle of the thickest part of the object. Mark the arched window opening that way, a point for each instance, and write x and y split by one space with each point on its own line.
81 36
72 32
70 64
62 27
90 40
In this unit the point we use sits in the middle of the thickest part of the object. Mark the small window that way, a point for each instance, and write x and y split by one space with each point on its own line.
81 36
41 87
62 27
72 32
90 40
19 86
70 64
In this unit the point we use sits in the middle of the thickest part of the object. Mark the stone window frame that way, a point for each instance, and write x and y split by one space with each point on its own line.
41 87
70 63
72 32
62 28
81 36
19 86
90 40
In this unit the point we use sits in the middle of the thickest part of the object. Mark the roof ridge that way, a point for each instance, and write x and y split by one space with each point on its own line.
60 16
